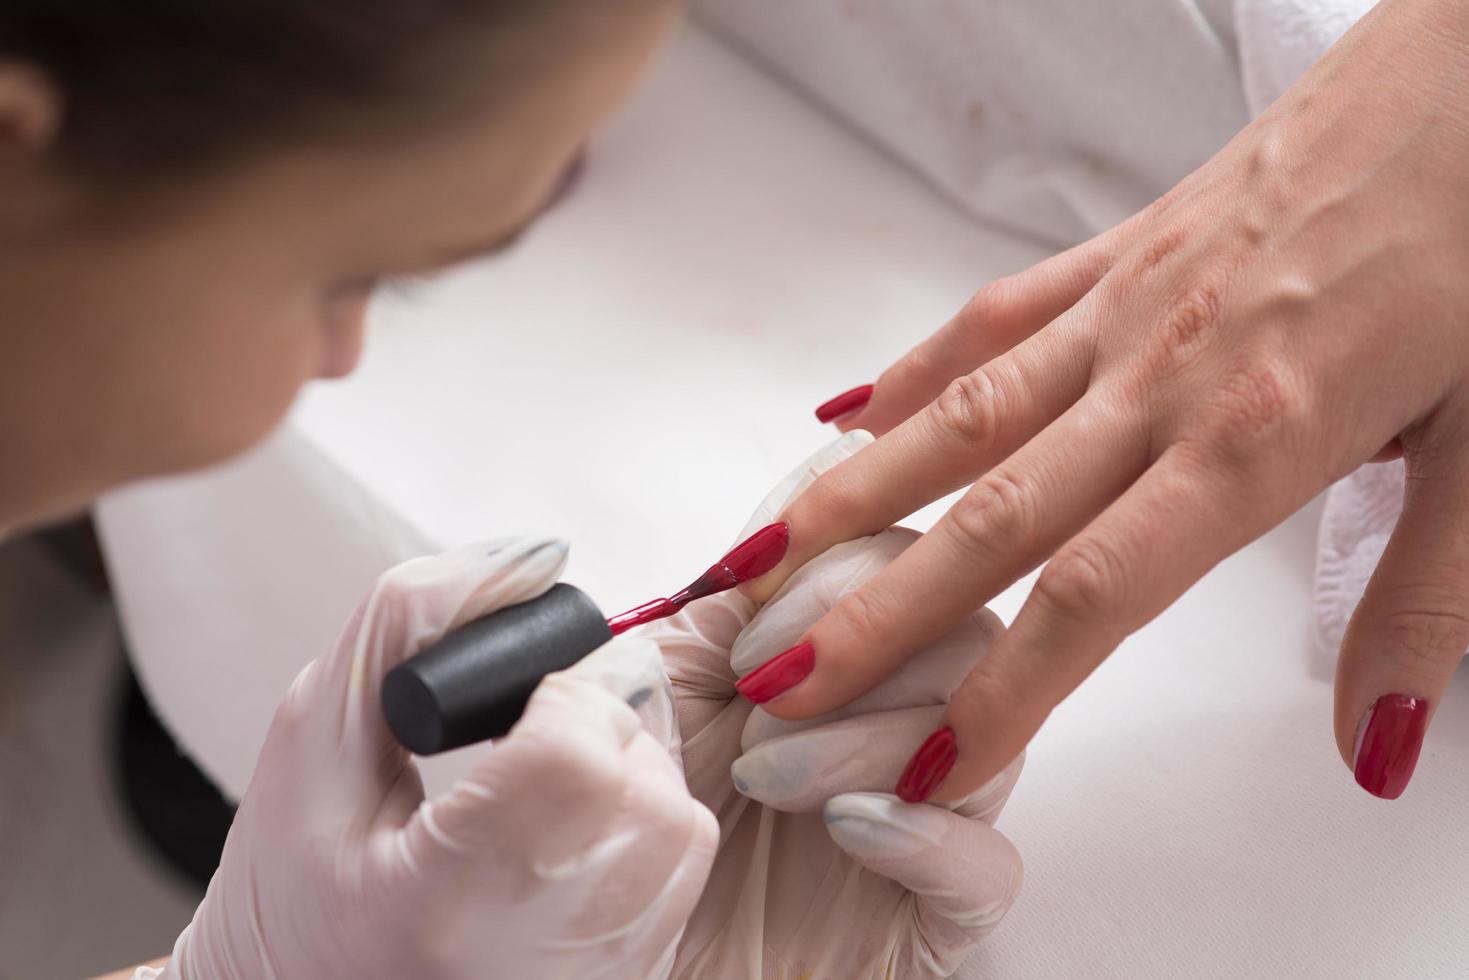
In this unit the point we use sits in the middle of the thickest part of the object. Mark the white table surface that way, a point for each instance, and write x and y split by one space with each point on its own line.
729 259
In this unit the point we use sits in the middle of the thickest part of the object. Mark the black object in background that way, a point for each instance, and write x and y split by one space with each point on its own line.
177 811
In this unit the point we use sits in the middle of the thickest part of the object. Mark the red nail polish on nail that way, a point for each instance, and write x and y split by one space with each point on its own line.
1387 748
844 404
778 675
928 767
751 558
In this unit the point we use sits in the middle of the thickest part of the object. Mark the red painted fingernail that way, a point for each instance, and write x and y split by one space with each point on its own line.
779 675
844 404
758 553
751 558
1390 738
928 767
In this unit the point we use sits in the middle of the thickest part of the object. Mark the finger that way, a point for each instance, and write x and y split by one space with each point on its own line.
979 420
1008 523
1409 631
964 874
822 583
1000 315
696 642
546 790
798 479
1180 519
656 837
665 913
333 712
799 773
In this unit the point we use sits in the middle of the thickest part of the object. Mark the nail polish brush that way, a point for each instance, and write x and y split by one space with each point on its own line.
474 683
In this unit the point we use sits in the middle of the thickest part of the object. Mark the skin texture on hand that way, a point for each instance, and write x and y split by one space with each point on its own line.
822 873
1140 407
571 850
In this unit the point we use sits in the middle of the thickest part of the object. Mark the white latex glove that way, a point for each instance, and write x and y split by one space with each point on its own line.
821 873
572 850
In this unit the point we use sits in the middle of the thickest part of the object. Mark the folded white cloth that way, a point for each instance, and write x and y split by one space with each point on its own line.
1359 517
1058 118
1280 39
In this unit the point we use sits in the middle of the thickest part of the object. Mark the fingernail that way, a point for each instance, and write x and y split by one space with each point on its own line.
779 675
758 553
928 767
1388 741
749 559
844 404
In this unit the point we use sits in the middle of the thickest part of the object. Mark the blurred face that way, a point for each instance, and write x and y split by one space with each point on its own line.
172 330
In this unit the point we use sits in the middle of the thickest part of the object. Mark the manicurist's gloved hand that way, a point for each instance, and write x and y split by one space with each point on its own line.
573 848
821 873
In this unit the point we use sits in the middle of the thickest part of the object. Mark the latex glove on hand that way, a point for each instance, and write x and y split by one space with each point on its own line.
821 873
571 850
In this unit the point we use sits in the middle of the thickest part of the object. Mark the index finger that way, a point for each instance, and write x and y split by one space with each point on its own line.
981 419
995 320
1009 522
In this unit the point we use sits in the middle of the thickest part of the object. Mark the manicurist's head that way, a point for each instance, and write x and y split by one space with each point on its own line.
196 200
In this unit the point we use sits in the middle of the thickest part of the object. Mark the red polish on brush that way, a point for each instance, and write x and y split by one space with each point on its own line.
749 559
474 683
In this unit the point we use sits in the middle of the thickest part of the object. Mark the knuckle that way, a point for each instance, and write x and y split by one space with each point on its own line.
969 408
1424 640
393 595
1159 248
828 495
573 760
986 304
860 614
986 694
1191 320
994 511
1255 404
1084 581
298 705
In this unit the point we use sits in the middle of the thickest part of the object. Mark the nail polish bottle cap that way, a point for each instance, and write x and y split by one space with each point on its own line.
474 683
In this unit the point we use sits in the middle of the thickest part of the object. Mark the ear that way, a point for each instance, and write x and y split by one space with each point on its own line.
30 109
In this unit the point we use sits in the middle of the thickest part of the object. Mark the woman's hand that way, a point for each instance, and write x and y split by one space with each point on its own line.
821 872
572 849
1142 406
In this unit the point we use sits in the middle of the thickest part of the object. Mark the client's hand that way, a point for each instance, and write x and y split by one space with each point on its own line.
571 850
821 873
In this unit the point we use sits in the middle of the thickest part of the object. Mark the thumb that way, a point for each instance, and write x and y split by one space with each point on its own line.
963 873
1409 632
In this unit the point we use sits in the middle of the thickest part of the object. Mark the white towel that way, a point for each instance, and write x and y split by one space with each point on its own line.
1359 517
1280 39
1057 118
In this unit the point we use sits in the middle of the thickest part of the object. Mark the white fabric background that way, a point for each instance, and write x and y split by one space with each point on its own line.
732 257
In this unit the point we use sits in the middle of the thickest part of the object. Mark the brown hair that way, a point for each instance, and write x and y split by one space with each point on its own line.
160 86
